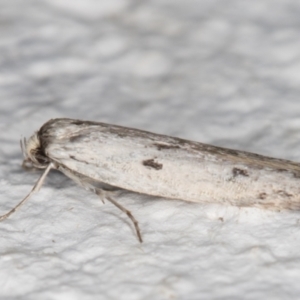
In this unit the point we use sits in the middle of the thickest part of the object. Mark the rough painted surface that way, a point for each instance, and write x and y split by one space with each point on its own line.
219 72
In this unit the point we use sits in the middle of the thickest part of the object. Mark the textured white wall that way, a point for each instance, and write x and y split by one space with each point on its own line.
215 71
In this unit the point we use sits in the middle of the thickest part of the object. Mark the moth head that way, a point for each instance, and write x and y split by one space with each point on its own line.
34 156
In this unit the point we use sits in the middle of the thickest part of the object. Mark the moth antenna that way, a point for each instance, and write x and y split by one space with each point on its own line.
23 147
35 188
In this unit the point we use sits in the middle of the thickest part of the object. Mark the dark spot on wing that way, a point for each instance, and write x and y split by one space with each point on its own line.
262 196
78 122
296 174
281 170
161 146
76 138
284 193
239 172
229 151
73 157
152 164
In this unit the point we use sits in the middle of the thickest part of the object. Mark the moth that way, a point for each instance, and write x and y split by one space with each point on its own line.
104 158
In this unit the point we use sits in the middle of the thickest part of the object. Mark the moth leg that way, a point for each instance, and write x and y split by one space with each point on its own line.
102 198
100 193
35 188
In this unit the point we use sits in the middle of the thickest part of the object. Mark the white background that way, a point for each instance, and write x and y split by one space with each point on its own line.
215 71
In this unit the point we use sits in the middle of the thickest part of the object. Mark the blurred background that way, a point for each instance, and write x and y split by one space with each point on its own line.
225 72
185 68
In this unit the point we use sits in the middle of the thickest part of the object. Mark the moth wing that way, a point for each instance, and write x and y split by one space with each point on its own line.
169 167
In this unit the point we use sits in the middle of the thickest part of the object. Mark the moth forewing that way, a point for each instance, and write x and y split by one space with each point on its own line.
169 167
103 157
